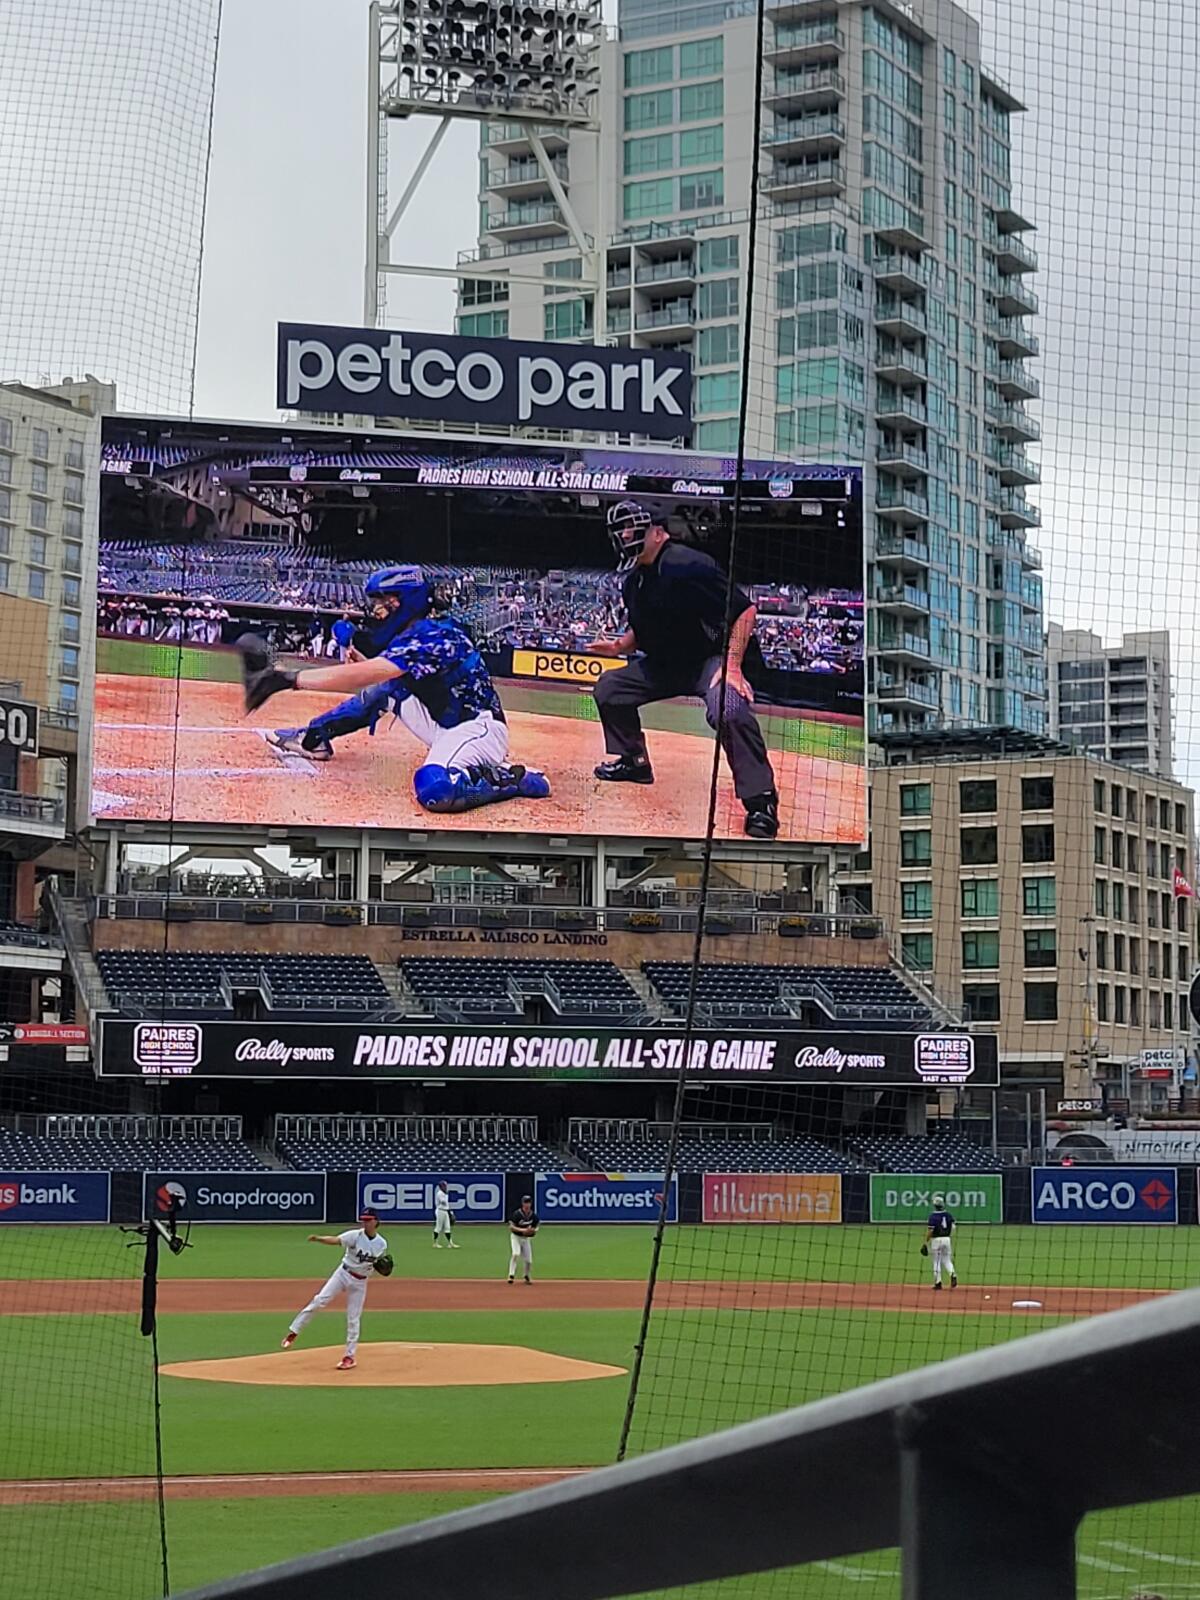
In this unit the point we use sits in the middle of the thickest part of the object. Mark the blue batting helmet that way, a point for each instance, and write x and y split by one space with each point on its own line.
406 584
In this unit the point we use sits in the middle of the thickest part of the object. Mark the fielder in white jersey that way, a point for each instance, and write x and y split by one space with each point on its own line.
938 1234
362 1249
443 1218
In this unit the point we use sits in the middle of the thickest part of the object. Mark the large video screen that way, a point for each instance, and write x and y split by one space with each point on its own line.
313 629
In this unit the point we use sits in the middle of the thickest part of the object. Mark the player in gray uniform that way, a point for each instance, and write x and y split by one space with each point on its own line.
675 600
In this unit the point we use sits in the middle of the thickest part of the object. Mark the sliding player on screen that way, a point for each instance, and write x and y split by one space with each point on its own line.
434 679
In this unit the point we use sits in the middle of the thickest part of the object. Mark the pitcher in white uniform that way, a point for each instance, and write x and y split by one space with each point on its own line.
363 1248
443 1220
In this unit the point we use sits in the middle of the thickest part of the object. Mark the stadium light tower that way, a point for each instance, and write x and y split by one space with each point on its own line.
536 66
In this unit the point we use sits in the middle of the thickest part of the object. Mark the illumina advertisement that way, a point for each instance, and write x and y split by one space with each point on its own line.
315 629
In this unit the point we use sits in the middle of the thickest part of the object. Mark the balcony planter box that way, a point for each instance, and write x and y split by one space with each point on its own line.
182 910
571 921
793 927
717 925
255 912
644 922
493 918
341 917
864 930
417 917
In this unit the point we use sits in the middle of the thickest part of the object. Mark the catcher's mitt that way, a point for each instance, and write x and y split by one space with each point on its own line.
260 677
924 1249
385 1266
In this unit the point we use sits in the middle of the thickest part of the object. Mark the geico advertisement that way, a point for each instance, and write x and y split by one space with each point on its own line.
409 1196
1112 1194
54 1196
564 665
772 1197
235 1196
603 1196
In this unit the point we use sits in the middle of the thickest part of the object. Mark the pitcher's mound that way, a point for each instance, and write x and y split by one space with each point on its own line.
388 1366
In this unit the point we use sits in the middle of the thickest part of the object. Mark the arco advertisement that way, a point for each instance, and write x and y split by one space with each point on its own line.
908 1196
1107 1194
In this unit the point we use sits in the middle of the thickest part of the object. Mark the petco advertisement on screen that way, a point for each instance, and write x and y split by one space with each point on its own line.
409 1196
603 1196
1107 1194
54 1196
243 573
235 1196
772 1197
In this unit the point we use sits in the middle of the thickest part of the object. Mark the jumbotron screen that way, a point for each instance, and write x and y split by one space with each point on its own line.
315 629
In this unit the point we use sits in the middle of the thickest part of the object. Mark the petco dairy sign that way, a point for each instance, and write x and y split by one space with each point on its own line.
1108 1194
409 1196
54 1196
602 1196
498 381
235 1196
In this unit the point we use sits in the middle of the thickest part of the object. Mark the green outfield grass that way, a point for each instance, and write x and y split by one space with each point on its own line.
1108 1257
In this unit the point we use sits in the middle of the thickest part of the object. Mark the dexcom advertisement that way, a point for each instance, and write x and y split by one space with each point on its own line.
409 1196
235 1196
603 1197
54 1196
1107 1194
550 610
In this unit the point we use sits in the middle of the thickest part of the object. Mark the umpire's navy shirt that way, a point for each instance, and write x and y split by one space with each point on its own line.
676 609
941 1224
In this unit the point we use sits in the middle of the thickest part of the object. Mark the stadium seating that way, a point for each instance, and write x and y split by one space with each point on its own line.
482 990
103 1153
796 1154
864 996
941 1152
198 983
418 1155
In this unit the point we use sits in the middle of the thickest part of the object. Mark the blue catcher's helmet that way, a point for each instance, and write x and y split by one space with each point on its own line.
407 585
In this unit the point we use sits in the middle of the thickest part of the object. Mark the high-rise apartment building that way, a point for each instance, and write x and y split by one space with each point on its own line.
1112 701
891 307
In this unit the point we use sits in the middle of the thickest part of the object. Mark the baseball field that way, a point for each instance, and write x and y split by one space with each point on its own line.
172 740
467 1387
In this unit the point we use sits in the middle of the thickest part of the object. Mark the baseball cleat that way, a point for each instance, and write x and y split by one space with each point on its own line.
260 680
937 1286
511 1281
288 1341
528 1280
622 769
453 1246
762 816
954 1280
345 1364
288 742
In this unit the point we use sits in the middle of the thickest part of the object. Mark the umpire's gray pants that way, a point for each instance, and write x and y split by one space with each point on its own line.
621 694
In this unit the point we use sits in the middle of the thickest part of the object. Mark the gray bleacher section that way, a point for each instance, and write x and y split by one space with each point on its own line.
24 1152
871 997
195 983
483 990
940 1152
434 1156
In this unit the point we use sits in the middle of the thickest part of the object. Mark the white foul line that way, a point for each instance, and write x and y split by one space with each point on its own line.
1148 1555
1104 1566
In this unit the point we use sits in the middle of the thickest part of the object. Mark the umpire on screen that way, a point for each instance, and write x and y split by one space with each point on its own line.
675 600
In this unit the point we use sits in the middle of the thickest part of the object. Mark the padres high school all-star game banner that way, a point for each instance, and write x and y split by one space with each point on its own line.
481 581
128 1049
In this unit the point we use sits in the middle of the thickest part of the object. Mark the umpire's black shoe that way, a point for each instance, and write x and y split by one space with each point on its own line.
762 815
623 769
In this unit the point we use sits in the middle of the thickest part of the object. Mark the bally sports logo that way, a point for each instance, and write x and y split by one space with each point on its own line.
166 1049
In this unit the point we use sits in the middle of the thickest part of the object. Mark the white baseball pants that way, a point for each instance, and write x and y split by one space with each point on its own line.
939 1256
340 1282
441 1222
522 1250
481 742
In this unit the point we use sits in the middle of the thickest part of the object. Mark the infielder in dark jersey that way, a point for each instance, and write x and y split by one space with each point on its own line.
435 680
675 600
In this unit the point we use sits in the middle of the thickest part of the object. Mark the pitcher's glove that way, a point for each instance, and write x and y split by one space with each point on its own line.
385 1266
924 1249
260 679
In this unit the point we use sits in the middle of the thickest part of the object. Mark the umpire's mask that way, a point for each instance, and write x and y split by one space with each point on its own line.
628 524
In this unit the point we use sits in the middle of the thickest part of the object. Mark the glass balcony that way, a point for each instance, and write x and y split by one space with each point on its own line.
793 180
806 135
898 409
904 645
804 41
804 90
528 222
903 598
900 366
1015 381
904 319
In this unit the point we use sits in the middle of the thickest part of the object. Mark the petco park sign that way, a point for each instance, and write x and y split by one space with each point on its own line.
631 1055
497 381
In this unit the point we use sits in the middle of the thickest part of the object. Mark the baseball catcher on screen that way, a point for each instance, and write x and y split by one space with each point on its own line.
428 671
675 600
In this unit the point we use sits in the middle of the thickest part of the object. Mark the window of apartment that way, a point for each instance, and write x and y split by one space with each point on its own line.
1164 814
1181 918
653 153
717 391
39 478
1135 909
654 110
1118 1004
1135 957
72 592
35 583
1101 897
1116 800
1037 842
700 101
1151 811
1182 966
68 697
1037 794
1102 951
701 191
1041 947
1166 960
6 501
981 1002
916 847
1040 898
649 199
718 255
38 546
39 444
1118 849
1118 902
72 558
716 347
484 324
1135 1008
1168 1010
5 575
644 67
916 900
700 147
39 513
1166 911
1098 841
1155 1010
69 627
977 795
702 58
73 454
717 299
1164 857
1102 1002
721 434
1152 910
980 897
1097 795
1180 819
977 847
916 951
1041 1002
1118 952
73 522
566 319
72 488
980 951
916 799
69 662
6 433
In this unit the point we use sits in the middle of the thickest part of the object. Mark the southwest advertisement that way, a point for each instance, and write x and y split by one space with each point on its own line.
603 1196
313 631
129 1049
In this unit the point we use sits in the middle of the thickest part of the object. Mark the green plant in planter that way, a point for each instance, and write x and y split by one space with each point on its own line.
793 927
644 921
